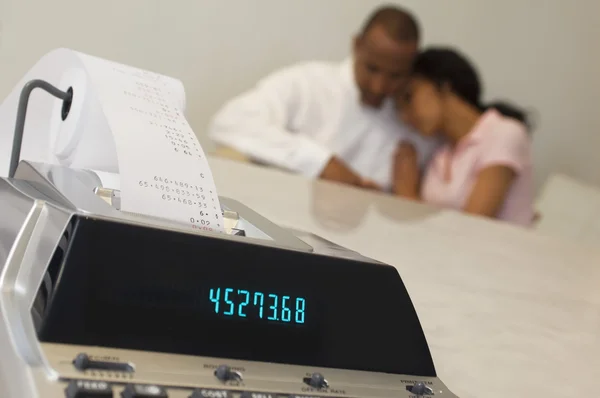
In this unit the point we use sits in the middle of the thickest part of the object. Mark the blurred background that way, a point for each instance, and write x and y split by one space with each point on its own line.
542 54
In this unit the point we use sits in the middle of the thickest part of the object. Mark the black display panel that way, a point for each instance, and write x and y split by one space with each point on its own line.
140 288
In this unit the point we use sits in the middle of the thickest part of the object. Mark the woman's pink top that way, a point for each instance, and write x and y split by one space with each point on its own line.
494 141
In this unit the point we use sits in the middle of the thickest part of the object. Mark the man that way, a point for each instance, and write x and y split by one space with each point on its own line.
333 121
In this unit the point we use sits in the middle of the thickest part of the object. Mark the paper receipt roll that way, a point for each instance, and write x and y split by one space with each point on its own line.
122 120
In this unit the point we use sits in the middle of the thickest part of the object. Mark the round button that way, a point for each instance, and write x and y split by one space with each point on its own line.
420 389
317 380
224 373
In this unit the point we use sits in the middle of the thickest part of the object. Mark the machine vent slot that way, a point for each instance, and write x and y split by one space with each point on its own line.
44 294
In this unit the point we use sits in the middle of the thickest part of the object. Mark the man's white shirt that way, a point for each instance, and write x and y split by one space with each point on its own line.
300 116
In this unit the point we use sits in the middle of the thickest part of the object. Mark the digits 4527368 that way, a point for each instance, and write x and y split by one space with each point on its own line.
241 303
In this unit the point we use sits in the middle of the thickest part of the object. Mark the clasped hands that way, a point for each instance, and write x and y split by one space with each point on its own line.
336 170
404 171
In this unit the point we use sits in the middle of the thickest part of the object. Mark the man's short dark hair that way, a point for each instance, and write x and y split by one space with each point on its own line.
399 23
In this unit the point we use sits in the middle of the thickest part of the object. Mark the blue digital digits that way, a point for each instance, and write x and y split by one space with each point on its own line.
300 305
285 311
228 301
214 296
273 317
259 302
244 304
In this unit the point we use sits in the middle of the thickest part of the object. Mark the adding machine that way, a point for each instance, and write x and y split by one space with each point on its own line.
96 302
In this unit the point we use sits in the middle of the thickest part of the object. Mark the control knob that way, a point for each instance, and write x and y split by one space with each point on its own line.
81 361
316 380
224 374
421 389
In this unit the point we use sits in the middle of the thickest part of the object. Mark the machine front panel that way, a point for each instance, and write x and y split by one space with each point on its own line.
145 289
181 376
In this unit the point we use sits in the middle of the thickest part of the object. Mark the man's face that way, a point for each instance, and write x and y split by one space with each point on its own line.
381 65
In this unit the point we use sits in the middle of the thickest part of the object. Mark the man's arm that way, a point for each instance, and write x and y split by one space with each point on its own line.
256 124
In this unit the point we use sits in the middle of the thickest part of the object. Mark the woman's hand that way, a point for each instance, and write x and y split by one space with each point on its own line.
370 184
337 171
405 171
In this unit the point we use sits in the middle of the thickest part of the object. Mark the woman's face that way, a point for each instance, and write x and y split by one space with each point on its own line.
422 106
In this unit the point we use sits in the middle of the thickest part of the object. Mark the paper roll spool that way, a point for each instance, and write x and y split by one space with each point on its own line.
83 140
122 120
35 140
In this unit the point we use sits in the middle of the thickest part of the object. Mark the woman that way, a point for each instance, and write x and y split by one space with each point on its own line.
485 165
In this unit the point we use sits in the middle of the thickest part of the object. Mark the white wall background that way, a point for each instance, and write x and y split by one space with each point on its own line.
540 53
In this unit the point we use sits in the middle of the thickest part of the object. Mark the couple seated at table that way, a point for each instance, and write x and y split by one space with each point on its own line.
391 118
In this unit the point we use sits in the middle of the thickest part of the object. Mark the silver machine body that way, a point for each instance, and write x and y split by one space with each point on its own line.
35 209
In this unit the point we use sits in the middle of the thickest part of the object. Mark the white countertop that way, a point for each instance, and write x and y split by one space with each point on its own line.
507 312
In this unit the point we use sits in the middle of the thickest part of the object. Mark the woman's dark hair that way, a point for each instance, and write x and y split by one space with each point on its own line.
445 66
